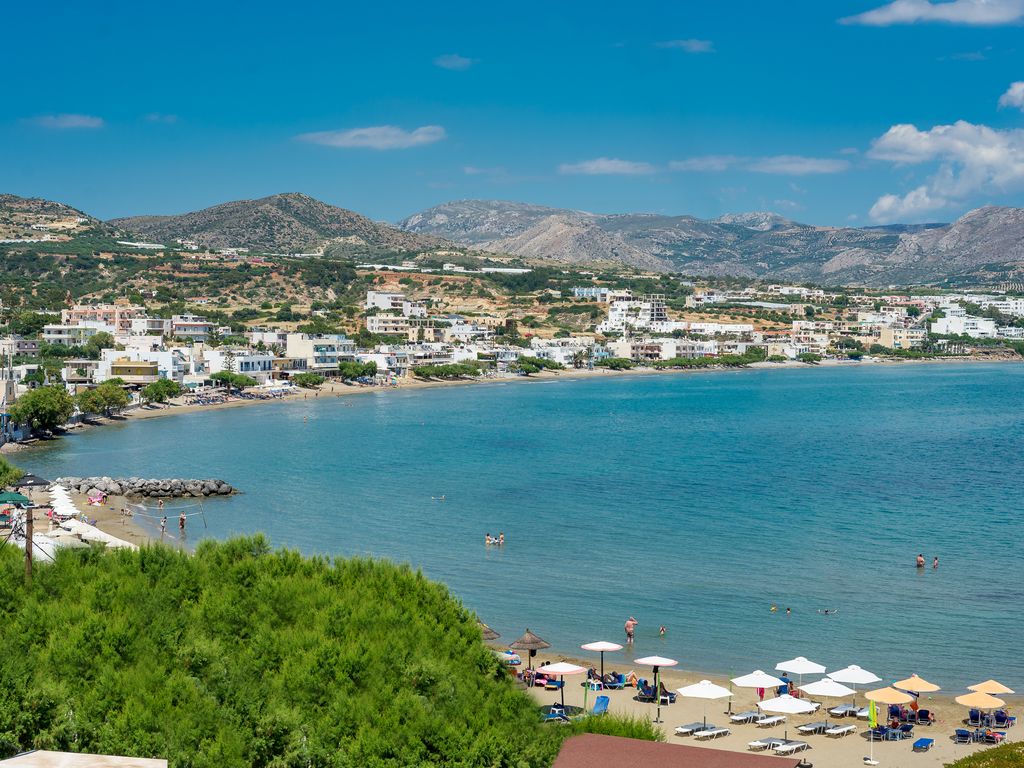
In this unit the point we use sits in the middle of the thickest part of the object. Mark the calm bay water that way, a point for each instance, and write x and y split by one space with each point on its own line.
693 501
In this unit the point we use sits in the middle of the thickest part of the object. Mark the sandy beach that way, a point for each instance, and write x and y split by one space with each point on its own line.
838 752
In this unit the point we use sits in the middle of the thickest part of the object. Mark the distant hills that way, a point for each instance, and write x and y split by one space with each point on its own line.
285 223
984 245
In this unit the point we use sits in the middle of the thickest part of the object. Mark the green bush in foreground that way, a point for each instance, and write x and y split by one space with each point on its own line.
1009 755
238 656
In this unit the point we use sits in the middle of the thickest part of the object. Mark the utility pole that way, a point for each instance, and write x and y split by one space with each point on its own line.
28 545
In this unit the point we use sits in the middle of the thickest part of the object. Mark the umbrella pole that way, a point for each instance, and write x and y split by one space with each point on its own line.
602 665
562 689
657 694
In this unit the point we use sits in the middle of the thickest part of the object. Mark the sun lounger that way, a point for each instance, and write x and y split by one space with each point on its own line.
769 720
994 737
843 710
615 682
646 693
1003 720
840 730
863 713
553 685
925 717
600 705
745 717
761 744
812 727
788 747
691 728
906 731
974 718
923 745
962 736
712 733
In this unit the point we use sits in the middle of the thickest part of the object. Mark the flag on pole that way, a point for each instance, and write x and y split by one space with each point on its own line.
873 715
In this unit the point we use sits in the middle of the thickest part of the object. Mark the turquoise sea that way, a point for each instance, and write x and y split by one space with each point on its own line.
694 501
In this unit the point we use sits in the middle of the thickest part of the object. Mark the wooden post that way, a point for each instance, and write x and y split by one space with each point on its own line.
28 545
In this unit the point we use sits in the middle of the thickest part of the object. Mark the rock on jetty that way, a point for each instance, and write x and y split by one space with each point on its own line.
139 486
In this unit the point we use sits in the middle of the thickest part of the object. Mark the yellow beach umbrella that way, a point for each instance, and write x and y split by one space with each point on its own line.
888 695
916 684
979 700
993 687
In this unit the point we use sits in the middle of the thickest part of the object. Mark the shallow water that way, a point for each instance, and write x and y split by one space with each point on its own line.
693 501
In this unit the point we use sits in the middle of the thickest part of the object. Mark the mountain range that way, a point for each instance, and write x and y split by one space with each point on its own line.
985 244
287 223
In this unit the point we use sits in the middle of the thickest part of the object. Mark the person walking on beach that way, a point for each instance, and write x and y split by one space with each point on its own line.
630 628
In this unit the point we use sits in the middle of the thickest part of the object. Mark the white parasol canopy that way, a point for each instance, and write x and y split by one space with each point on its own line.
800 666
562 668
828 688
601 646
757 679
787 705
706 690
854 675
657 662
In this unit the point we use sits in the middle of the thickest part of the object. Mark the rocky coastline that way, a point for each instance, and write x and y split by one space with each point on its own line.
143 487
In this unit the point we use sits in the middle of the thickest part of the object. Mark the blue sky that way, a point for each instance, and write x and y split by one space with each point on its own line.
831 112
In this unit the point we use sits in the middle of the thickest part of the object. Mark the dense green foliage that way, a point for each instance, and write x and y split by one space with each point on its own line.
108 398
809 357
349 369
528 365
9 473
236 656
450 371
161 390
1006 755
45 408
233 380
308 380
725 361
616 363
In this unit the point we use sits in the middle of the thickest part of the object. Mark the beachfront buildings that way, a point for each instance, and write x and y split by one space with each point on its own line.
395 302
322 353
958 322
191 327
255 365
16 345
74 335
141 366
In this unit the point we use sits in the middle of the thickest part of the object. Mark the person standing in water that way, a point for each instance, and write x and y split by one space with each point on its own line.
630 628
920 561
181 523
935 562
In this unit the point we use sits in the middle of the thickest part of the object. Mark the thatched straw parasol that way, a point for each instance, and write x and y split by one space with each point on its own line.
489 634
529 642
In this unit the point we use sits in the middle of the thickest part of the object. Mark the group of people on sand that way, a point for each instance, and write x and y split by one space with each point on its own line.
498 541
920 561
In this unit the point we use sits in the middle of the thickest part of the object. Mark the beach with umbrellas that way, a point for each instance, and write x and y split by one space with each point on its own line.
845 716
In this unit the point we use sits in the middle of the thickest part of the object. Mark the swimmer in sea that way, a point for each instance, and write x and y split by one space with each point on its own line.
920 561
773 609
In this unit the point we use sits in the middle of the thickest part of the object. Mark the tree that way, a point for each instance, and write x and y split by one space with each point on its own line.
161 390
308 380
108 398
809 357
616 363
233 380
9 474
45 408
101 340
350 369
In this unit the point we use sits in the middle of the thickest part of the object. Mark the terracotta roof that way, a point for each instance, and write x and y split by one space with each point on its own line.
591 750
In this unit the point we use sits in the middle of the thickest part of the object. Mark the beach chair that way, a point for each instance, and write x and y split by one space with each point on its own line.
962 736
923 745
994 737
840 730
896 712
925 717
665 696
556 716
863 713
974 718
767 721
1003 720
761 744
745 717
600 705
878 734
812 727
615 682
843 710
691 728
645 692
789 746
553 685
711 733
906 730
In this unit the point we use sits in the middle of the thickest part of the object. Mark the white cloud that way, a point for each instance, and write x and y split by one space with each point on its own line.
849 151
453 61
376 137
158 117
706 163
789 205
986 13
785 165
795 165
1014 96
66 121
603 166
690 45
973 159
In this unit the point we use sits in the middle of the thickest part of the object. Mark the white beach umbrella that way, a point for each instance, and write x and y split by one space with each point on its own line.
787 705
561 669
855 676
757 679
657 662
800 666
601 646
706 690
827 688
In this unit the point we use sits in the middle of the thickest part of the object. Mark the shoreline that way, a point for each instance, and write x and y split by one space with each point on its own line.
338 390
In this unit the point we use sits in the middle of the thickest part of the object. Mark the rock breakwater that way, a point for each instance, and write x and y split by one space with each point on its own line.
140 486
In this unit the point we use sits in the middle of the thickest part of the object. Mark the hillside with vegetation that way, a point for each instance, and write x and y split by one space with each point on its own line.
284 223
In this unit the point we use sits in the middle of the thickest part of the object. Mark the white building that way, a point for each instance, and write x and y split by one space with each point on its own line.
322 353
395 302
74 335
170 363
256 365
388 324
639 314
150 326
958 323
191 327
